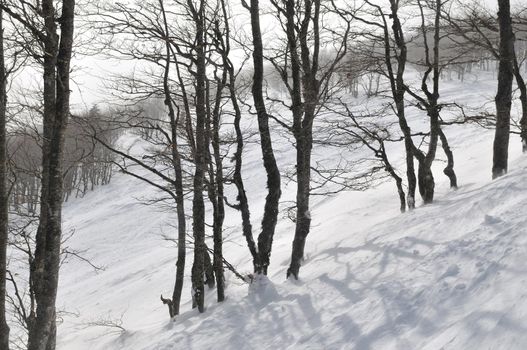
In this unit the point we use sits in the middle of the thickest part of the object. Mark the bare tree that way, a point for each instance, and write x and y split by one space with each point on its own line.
307 81
430 102
55 59
474 28
262 252
395 57
504 95
178 184
4 200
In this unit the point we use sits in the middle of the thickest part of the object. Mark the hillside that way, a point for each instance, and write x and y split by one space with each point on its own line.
446 276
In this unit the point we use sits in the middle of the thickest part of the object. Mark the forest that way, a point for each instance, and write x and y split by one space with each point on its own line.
201 155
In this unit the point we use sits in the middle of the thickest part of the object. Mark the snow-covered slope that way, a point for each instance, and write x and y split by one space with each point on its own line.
451 275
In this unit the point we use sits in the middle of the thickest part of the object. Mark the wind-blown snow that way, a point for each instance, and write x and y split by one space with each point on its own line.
451 275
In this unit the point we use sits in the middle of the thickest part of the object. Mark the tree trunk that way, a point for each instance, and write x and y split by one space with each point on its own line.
303 215
219 215
449 169
243 203
409 151
398 91
208 273
4 200
238 179
397 178
270 217
425 175
46 263
523 99
182 222
198 205
504 95
400 191
426 182
176 164
304 73
216 184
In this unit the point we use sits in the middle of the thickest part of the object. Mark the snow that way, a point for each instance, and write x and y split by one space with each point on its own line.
450 275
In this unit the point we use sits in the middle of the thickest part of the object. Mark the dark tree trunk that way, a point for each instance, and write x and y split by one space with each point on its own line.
409 150
45 267
270 217
4 200
426 183
304 68
523 99
425 175
398 90
219 216
198 205
397 178
243 203
430 103
504 94
176 164
208 274
210 186
238 179
449 169
400 191
182 222
217 189
303 215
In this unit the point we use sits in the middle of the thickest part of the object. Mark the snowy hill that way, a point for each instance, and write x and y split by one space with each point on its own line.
451 275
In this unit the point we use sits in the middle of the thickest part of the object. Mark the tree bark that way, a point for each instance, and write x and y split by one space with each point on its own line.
176 164
198 205
449 169
425 174
398 90
270 217
523 99
397 178
237 176
304 70
216 188
303 215
45 267
4 200
504 95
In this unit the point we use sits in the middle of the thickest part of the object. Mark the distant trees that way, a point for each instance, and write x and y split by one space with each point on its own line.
474 28
86 165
